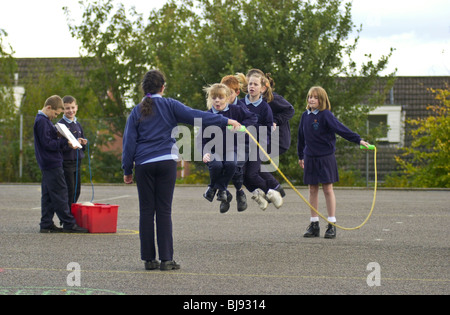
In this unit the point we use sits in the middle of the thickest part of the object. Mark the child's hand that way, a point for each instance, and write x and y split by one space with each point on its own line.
207 158
301 163
72 145
364 143
82 141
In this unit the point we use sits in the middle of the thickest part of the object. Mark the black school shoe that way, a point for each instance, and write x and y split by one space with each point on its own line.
241 200
209 194
225 204
313 230
75 229
51 229
331 231
169 265
152 265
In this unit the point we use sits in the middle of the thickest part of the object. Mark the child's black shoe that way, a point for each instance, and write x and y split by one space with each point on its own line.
209 194
225 205
76 229
313 230
241 200
330 232
222 195
152 265
51 229
169 265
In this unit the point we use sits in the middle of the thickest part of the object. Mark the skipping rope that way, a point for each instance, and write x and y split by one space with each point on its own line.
371 147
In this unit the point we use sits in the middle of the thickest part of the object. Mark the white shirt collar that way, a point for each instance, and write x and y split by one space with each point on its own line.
315 112
68 120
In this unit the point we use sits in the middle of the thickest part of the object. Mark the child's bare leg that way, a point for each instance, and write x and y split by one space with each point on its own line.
313 229
314 199
330 199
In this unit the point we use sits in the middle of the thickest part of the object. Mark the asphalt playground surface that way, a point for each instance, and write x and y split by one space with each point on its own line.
403 249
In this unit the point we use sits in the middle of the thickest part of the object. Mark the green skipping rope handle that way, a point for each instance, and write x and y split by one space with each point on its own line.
242 129
371 147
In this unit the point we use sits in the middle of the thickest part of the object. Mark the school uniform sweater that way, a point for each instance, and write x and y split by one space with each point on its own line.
47 145
77 131
317 134
263 112
282 112
147 139
236 112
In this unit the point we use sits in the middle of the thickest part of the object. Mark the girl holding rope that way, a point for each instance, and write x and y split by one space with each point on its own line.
316 146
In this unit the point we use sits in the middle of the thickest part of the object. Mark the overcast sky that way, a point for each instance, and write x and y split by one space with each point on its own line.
419 30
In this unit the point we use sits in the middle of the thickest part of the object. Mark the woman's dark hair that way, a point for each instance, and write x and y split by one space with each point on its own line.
152 83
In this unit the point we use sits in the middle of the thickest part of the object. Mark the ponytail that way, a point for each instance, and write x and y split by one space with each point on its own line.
146 106
152 83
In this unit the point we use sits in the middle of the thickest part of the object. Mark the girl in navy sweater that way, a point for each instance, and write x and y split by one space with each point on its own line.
316 147
149 147
264 188
222 161
282 112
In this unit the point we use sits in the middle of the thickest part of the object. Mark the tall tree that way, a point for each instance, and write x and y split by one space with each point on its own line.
196 42
112 52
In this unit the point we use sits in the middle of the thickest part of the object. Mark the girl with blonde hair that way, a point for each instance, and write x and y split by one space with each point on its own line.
316 147
222 161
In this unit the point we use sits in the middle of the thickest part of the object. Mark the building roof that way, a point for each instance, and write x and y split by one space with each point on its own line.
31 68
414 93
411 92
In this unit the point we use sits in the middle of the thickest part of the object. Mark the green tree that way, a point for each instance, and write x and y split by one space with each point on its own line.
56 79
9 121
426 163
113 54
302 43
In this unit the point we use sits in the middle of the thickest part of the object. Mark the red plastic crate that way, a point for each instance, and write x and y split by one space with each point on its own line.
99 218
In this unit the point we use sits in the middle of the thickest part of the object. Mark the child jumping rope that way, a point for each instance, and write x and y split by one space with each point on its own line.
222 165
265 188
316 147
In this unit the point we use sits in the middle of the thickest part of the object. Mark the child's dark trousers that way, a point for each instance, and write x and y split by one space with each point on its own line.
54 199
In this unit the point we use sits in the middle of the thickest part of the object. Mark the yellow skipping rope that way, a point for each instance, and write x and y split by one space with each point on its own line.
371 147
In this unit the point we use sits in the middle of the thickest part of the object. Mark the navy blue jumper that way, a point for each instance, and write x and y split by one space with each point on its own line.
48 150
226 161
72 159
149 147
254 177
316 145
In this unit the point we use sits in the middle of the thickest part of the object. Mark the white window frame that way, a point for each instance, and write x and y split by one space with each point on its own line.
395 121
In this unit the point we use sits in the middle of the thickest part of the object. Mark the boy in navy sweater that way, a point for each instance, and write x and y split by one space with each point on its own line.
72 158
48 149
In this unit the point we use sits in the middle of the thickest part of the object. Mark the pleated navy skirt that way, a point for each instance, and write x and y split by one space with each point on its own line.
320 170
